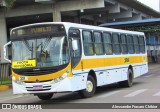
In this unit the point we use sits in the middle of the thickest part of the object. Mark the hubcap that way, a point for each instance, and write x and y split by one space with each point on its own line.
89 86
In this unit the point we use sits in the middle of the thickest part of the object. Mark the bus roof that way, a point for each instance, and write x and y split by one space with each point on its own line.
82 26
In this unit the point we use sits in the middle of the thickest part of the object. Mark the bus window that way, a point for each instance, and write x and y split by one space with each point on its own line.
107 43
74 34
88 43
136 44
116 44
130 44
142 44
124 44
98 43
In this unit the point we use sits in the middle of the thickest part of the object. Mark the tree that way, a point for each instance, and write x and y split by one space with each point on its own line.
9 3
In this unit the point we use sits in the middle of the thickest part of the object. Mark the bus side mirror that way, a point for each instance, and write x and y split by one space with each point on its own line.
74 45
5 51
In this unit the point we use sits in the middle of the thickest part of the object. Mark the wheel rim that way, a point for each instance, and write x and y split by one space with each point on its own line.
89 86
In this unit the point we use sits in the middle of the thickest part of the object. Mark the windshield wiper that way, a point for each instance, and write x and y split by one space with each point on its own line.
46 43
29 48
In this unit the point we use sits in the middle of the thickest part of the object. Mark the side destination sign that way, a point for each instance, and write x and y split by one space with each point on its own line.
24 64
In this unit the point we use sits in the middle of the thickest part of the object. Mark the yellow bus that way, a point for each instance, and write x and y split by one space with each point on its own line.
56 57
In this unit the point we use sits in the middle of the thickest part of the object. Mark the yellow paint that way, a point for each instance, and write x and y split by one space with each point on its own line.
106 62
88 64
144 58
4 87
44 77
24 64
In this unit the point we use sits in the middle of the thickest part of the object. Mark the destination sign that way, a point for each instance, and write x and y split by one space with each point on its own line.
38 29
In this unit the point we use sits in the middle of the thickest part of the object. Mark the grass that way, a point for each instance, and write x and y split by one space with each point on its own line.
3 82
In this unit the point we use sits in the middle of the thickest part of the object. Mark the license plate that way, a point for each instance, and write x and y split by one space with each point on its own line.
38 87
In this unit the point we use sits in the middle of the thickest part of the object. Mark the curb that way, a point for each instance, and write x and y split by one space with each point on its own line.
5 87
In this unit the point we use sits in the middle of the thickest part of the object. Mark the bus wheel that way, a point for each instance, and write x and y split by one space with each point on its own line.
47 96
90 89
129 81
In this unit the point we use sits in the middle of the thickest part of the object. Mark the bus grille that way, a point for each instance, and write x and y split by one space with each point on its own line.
34 73
39 81
39 71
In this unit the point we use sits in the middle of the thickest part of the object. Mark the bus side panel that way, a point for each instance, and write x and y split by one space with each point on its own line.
144 69
124 73
78 82
137 71
113 76
101 78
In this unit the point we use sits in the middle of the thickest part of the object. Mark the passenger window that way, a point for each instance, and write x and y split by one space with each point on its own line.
130 44
124 48
142 44
107 43
98 43
136 44
88 43
116 44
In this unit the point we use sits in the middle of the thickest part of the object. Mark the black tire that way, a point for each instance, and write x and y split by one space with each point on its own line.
89 91
47 96
129 81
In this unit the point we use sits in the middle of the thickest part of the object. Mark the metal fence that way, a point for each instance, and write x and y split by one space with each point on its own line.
5 72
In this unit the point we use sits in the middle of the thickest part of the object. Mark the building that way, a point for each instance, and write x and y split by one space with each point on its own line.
93 12
151 28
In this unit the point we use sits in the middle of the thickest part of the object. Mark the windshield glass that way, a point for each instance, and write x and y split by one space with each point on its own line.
46 52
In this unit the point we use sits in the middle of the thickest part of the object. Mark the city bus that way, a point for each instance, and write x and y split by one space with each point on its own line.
57 57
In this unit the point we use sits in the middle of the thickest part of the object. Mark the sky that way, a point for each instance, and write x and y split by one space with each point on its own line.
152 3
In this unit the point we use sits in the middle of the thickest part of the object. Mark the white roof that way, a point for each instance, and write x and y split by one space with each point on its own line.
82 26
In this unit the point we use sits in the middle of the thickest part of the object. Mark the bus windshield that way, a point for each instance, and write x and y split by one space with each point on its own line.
46 52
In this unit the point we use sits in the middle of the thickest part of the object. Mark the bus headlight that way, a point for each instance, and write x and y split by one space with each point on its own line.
59 79
19 82
64 75
13 78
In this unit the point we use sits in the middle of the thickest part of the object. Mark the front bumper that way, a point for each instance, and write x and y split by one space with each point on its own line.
47 87
68 84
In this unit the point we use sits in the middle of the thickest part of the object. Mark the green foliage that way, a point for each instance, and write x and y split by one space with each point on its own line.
7 81
10 3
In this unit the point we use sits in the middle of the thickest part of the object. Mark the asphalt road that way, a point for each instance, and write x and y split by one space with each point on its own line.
146 89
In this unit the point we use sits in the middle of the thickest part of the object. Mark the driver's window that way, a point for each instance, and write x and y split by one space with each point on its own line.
74 34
